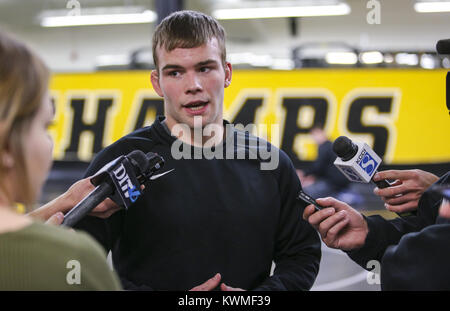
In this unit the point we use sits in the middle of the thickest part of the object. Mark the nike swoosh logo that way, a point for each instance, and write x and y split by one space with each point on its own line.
160 175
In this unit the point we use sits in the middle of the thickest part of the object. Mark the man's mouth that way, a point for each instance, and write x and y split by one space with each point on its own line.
196 106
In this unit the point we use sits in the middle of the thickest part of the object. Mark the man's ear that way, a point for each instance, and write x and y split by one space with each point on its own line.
154 78
228 74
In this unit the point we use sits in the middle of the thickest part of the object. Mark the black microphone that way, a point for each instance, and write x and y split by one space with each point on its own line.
443 46
120 180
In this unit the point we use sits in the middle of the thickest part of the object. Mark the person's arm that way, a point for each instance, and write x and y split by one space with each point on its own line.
363 238
297 250
420 260
104 230
383 233
61 204
342 227
53 212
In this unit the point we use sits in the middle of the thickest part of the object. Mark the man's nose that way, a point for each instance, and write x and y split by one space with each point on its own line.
193 84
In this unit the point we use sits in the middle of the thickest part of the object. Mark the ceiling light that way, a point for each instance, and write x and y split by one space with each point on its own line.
98 19
282 64
432 7
256 60
407 59
388 58
274 12
446 63
374 57
341 58
427 61
112 60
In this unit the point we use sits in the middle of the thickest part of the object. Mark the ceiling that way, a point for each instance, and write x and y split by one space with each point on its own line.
400 29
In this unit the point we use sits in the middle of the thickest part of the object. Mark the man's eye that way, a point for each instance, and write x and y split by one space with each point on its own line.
173 73
204 69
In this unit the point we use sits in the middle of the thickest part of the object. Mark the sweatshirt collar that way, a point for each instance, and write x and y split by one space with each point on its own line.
163 131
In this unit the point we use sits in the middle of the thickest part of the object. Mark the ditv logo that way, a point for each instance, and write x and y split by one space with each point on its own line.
129 190
366 162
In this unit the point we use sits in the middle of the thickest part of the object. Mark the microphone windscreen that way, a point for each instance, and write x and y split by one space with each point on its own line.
443 46
139 161
155 160
344 148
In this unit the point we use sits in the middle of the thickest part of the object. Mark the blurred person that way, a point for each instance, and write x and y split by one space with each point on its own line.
211 223
34 255
322 178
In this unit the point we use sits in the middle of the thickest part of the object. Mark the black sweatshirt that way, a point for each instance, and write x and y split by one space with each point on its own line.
209 216
414 251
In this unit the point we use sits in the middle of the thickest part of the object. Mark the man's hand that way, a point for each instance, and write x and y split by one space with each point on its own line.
208 285
339 225
212 283
404 194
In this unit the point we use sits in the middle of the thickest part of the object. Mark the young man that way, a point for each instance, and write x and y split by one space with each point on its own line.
224 218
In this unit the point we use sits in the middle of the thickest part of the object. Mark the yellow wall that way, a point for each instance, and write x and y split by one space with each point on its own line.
418 124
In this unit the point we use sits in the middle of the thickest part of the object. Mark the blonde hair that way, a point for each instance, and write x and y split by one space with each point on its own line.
23 85
187 29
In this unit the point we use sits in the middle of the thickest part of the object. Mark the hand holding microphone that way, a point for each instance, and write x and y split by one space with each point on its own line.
120 180
53 212
359 163
339 225
405 192
82 188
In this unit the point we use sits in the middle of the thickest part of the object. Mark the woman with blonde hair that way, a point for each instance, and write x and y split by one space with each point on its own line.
34 255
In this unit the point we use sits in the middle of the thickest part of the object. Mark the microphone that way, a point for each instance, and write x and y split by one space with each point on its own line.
443 46
358 162
120 180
